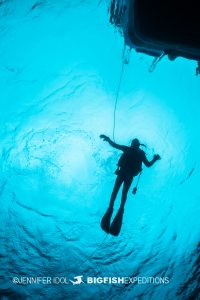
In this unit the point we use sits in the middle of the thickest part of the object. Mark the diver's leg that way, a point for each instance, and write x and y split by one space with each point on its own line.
115 191
126 187
105 222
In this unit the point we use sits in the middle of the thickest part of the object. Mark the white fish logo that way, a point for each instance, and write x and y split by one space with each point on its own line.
78 280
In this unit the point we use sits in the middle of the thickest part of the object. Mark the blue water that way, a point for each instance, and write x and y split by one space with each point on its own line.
60 64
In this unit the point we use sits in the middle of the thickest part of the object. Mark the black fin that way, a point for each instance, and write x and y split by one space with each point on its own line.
117 223
105 222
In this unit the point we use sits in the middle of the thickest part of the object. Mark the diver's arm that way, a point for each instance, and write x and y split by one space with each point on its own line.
150 163
113 144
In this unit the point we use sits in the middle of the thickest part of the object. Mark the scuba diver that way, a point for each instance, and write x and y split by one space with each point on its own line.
129 166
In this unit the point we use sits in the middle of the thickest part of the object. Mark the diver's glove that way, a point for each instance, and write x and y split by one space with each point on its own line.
104 137
156 157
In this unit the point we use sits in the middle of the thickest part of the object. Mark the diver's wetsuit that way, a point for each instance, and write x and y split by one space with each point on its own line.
130 165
